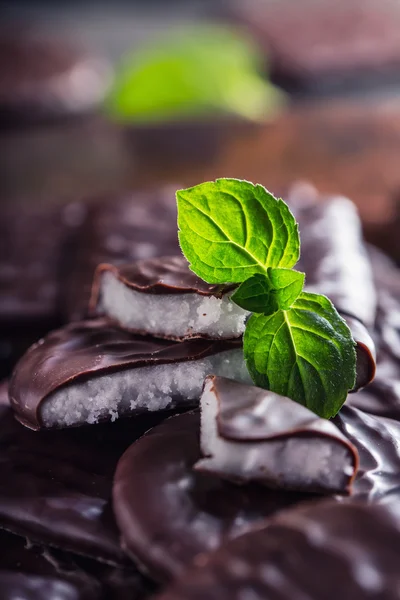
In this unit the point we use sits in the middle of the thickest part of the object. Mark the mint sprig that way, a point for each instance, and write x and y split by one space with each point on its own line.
266 294
295 344
230 230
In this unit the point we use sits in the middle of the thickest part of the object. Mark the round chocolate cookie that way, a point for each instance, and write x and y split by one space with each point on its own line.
324 551
168 513
42 79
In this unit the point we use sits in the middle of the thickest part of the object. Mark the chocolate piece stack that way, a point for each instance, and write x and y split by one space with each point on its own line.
172 495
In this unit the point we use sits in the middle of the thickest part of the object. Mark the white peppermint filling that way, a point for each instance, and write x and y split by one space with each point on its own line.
110 395
295 463
170 315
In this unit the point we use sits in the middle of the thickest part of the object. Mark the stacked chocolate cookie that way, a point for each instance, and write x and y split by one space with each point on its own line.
103 502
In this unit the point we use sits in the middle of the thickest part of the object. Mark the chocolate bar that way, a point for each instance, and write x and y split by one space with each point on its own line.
92 371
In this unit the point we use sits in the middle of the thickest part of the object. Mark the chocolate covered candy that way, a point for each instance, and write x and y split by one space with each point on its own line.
164 298
336 264
251 434
319 551
92 371
32 571
33 243
120 229
382 397
169 513
56 486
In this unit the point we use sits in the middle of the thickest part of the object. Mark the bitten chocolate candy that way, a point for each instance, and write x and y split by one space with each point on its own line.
56 486
164 298
120 229
251 434
92 371
168 513
326 550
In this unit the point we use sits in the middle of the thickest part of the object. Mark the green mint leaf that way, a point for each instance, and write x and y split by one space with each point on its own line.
202 70
306 353
266 294
230 230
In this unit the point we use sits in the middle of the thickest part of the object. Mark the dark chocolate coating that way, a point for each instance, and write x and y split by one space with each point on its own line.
33 244
39 572
345 278
121 229
325 551
177 513
377 441
168 512
382 397
32 572
42 79
250 414
56 486
92 348
165 275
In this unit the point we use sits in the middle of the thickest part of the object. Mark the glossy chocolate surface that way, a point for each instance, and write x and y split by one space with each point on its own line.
177 513
40 80
382 396
334 257
118 230
28 571
92 348
249 413
32 571
166 275
377 441
319 551
56 486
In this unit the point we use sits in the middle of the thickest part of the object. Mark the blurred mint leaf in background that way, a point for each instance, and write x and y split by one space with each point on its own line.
197 72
